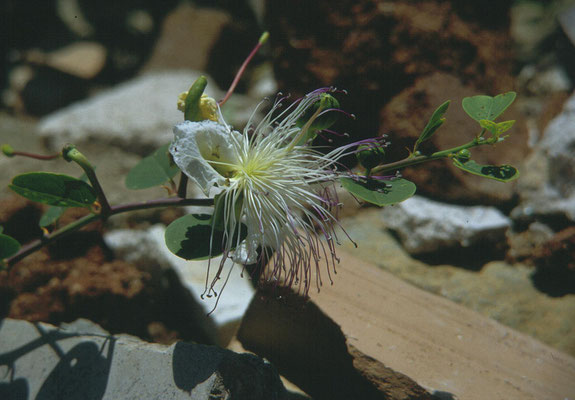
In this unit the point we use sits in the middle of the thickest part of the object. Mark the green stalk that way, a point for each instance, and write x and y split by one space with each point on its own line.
74 226
409 161
70 153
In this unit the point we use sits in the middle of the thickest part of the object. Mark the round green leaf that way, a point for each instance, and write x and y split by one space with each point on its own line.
380 193
51 215
502 173
487 107
190 236
154 170
8 246
54 189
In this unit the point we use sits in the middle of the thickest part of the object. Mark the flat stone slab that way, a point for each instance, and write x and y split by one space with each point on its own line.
443 346
40 361
399 339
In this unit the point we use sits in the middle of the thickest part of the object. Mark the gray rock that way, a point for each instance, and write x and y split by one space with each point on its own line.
548 185
41 361
425 225
137 115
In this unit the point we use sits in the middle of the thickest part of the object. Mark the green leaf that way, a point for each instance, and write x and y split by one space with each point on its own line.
54 189
502 173
380 193
496 128
434 123
51 215
189 237
8 246
154 170
192 110
487 107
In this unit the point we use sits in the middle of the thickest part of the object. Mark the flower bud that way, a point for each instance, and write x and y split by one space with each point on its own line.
323 121
208 106
463 155
7 150
370 155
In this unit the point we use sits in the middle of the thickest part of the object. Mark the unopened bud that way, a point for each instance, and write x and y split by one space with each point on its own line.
370 155
324 121
7 150
208 106
463 155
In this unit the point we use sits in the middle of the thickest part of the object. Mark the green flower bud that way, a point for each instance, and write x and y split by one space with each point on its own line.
463 155
370 156
324 121
7 150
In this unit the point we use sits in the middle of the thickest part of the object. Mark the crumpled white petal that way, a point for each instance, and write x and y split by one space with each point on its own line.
195 144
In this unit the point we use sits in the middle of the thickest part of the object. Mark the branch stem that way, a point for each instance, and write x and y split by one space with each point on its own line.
414 160
183 186
70 153
66 230
36 156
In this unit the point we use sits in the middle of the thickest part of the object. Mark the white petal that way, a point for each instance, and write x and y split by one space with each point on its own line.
197 143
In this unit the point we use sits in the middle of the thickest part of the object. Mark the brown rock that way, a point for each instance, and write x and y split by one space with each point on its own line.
310 350
439 344
555 260
82 59
77 277
383 46
522 244
404 118
376 49
559 250
186 38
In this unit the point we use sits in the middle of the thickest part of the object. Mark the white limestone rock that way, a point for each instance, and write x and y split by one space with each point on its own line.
148 250
425 226
548 185
137 115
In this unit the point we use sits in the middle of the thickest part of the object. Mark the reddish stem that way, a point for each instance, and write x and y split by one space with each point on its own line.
262 40
36 156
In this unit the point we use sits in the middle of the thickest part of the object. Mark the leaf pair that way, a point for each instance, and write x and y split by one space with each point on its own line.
486 107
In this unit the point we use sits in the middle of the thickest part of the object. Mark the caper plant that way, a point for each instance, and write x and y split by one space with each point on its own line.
272 191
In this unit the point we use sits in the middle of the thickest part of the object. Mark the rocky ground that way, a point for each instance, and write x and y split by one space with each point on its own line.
496 252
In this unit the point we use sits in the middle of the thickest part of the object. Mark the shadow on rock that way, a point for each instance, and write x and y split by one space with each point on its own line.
81 373
310 350
211 372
